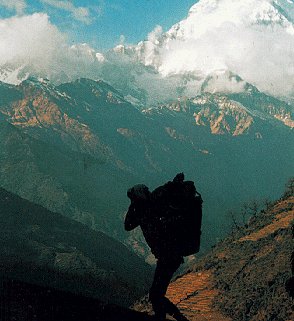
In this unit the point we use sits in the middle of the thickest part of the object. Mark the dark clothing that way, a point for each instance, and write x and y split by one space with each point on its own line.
170 218
142 214
165 269
168 221
132 219
179 207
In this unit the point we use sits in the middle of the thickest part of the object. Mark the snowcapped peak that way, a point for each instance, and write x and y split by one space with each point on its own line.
208 15
203 6
251 38
119 49
266 12
236 7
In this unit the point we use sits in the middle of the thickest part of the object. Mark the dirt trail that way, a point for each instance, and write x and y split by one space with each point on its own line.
193 294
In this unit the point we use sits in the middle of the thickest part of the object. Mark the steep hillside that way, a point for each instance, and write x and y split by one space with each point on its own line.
248 113
244 276
45 248
251 271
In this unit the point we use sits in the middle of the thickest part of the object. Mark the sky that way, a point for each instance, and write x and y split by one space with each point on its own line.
103 23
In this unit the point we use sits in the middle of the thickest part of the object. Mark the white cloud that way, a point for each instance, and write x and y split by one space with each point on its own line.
224 82
263 57
148 50
15 5
252 38
28 39
78 13
261 54
32 41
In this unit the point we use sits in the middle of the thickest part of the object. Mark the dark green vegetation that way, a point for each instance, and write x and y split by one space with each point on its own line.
48 249
77 147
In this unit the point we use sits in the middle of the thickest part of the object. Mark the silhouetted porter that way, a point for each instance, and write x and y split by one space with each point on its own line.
170 218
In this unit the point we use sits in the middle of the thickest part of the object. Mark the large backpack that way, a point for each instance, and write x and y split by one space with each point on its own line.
178 209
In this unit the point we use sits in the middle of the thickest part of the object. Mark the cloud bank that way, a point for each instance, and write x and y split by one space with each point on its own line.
264 58
260 50
34 44
254 39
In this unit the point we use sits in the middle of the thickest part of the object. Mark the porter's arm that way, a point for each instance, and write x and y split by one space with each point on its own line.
132 219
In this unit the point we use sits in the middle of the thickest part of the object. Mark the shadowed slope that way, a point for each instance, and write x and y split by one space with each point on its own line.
46 248
23 301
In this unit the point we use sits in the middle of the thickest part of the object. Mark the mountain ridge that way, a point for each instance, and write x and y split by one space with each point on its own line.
66 147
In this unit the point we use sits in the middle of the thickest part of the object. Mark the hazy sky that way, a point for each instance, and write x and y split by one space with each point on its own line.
103 23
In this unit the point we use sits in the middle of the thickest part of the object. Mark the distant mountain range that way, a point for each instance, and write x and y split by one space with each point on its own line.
77 147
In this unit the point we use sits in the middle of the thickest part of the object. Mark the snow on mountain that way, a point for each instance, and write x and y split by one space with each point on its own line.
245 37
30 45
253 39
219 38
12 74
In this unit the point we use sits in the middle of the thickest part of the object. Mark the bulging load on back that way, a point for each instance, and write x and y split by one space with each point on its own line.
170 217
